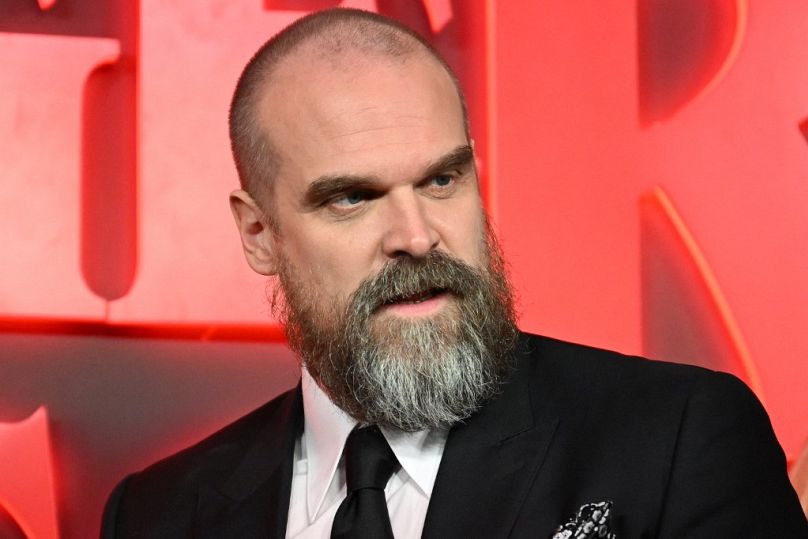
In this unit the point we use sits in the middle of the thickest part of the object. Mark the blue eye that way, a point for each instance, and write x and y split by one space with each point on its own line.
350 199
442 180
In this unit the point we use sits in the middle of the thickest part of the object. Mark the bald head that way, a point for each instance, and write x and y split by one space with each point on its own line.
330 38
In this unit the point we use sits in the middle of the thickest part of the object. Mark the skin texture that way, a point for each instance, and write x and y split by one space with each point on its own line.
375 164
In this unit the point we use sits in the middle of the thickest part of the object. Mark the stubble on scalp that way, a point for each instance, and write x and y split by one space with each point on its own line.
408 374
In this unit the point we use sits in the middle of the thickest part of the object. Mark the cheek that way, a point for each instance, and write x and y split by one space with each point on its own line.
466 236
335 263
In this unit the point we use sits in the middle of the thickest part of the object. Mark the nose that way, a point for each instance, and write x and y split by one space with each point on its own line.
408 230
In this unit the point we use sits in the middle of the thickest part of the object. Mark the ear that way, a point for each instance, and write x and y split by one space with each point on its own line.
257 238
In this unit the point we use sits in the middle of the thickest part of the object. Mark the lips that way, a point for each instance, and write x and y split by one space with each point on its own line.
417 297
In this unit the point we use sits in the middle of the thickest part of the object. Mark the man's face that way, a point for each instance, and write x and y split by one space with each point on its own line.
374 165
395 294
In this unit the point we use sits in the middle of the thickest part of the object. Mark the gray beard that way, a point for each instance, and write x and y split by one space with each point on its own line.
427 380
408 374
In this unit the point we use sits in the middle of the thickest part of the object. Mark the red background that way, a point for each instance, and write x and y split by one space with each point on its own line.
644 162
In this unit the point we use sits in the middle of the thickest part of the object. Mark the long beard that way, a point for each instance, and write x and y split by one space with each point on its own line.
407 373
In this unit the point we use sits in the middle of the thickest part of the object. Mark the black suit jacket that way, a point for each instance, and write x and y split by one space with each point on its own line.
680 451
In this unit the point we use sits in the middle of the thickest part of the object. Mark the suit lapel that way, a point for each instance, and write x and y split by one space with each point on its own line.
253 501
490 462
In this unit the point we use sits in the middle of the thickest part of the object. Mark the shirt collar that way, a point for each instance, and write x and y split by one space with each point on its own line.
419 454
327 428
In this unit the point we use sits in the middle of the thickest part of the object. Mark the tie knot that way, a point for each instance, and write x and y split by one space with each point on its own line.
369 461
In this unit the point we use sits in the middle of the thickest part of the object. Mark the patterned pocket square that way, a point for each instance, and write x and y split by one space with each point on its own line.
591 521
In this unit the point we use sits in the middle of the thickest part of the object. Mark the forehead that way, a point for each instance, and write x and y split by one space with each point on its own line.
359 113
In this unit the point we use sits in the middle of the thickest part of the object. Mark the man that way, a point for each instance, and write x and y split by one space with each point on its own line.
360 193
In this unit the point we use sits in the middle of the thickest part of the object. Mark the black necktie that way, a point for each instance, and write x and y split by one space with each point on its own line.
369 463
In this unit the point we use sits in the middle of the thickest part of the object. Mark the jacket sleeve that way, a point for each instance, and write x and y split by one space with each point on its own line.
728 476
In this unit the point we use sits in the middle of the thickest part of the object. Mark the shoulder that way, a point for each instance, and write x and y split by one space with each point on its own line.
208 458
633 393
610 400
170 486
701 436
602 373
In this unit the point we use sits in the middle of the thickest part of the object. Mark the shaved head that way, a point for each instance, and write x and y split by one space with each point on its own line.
332 37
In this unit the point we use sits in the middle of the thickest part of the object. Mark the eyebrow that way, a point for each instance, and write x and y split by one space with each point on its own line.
327 187
459 157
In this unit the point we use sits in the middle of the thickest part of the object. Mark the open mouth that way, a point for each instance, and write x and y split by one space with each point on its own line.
418 297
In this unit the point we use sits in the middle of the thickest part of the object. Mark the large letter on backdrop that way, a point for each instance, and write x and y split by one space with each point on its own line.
26 476
41 85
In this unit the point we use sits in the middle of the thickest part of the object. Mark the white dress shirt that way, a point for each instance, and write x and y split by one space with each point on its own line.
318 480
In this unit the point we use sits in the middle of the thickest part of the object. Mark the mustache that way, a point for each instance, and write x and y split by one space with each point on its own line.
406 277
